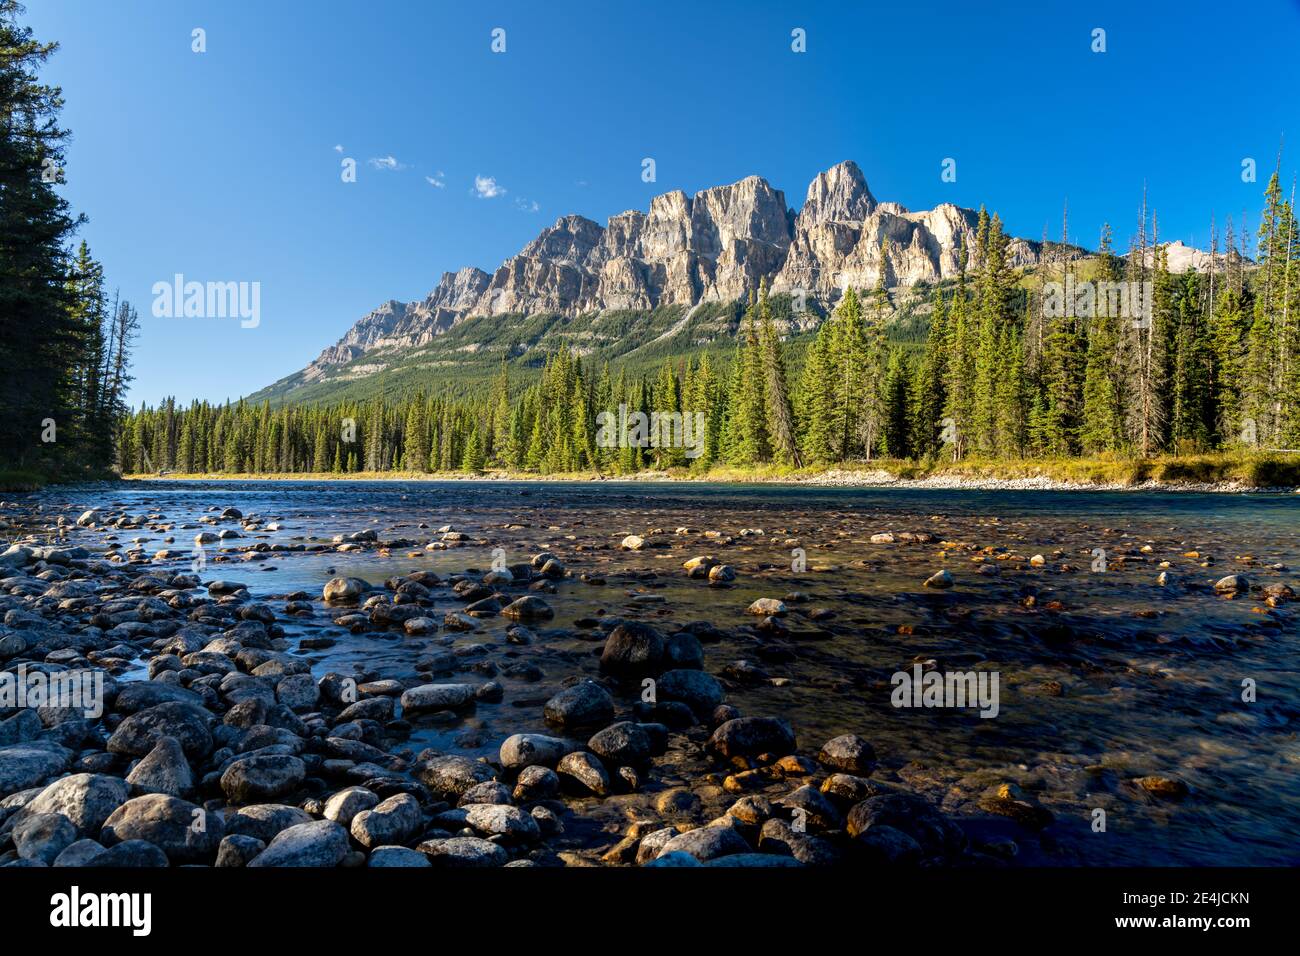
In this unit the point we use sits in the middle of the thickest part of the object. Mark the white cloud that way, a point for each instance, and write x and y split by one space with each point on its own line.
485 187
389 163
437 181
338 148
527 205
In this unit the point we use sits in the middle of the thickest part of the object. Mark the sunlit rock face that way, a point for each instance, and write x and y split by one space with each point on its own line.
715 246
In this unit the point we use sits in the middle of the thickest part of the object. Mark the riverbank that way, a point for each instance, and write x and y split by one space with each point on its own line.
34 479
1226 473
15 480
315 652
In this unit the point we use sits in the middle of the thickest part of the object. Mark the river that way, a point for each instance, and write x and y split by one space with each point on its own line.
1105 675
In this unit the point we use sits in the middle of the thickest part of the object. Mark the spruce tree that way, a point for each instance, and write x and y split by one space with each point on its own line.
780 422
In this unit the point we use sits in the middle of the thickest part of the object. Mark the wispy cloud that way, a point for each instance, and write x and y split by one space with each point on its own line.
389 163
527 205
437 181
486 187
338 148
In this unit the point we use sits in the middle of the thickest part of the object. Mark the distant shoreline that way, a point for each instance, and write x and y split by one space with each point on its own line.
1030 479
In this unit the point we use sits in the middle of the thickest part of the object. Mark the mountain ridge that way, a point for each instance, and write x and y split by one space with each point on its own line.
714 246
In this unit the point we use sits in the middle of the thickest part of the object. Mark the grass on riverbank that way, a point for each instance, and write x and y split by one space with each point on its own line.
18 479
1256 470
33 479
1253 470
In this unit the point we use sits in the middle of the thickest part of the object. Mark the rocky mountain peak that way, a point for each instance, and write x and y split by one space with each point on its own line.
838 195
715 246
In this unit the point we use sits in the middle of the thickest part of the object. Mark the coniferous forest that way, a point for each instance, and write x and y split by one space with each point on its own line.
1211 365
65 344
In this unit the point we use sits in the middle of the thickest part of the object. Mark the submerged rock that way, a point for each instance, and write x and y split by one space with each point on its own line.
849 753
584 704
750 736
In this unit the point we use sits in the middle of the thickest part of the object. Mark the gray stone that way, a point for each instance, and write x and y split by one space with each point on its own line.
1232 584
343 590
346 804
811 806
706 843
451 775
28 764
79 853
183 831
622 743
262 777
321 843
536 783
699 691
633 650
586 770
464 852
163 770
264 821
750 736
911 815
298 692
238 850
129 854
434 697
527 609
584 704
510 823
490 791
523 750
139 733
86 799
43 836
676 858
849 753
753 860
397 856
394 821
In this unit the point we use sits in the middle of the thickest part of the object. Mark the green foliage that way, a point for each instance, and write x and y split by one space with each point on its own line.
63 354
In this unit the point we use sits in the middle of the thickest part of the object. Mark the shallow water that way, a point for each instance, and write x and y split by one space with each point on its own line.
1105 678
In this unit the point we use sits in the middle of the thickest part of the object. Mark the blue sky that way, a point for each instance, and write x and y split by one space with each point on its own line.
222 165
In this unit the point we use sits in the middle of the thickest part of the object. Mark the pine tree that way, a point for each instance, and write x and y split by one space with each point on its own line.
44 346
817 387
1191 419
415 449
780 422
473 457
750 444
929 388
872 421
848 364
897 405
959 408
1101 428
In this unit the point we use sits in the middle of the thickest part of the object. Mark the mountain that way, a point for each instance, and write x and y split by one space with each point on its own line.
1180 257
661 267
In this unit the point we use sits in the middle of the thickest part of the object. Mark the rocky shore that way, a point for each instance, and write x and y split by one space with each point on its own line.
831 478
217 746
217 737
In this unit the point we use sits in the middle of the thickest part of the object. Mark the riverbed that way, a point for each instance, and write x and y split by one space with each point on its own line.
1106 676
